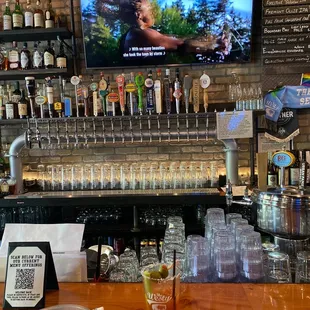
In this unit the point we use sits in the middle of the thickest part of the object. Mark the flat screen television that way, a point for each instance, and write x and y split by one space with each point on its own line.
121 33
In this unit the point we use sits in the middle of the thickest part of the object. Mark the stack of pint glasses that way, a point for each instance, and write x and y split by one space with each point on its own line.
174 240
230 252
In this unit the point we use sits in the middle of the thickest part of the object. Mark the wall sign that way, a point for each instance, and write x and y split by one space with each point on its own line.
286 31
30 270
234 125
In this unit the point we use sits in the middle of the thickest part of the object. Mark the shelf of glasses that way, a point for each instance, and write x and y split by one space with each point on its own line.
34 34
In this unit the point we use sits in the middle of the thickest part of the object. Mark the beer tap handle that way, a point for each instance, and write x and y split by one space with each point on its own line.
187 85
205 83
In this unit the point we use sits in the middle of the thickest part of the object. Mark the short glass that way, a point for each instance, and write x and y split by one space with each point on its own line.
160 292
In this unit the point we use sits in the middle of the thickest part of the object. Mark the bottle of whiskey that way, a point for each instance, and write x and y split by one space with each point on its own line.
49 15
23 106
37 59
38 15
3 58
61 59
16 93
14 63
2 103
272 176
10 106
29 15
25 58
18 17
49 56
7 17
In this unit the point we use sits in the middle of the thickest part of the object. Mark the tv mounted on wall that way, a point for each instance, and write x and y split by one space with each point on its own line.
120 33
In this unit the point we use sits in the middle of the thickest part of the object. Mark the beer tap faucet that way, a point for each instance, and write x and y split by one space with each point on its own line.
103 131
76 133
38 134
29 134
57 135
112 130
94 131
67 135
85 134
49 133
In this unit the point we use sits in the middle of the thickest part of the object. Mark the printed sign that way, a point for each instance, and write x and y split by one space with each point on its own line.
30 270
234 125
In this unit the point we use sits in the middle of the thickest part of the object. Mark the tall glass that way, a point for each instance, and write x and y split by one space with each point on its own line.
159 289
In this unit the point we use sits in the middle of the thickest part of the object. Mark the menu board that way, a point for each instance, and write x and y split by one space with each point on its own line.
286 32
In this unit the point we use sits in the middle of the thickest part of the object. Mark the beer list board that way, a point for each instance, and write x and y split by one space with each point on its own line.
286 32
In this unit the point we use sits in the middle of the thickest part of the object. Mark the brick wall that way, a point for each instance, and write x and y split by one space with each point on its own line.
250 74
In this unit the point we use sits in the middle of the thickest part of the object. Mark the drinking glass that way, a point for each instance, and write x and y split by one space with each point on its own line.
279 270
268 248
303 267
230 216
159 292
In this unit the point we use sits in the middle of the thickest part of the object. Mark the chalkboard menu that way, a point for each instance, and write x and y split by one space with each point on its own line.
286 32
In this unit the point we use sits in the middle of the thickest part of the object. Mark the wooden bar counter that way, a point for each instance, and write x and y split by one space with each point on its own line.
129 296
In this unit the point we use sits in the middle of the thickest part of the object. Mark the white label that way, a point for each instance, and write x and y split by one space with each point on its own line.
37 59
13 56
49 23
61 62
9 109
25 277
294 176
7 22
48 59
16 98
28 19
272 180
17 20
22 109
38 20
234 125
24 60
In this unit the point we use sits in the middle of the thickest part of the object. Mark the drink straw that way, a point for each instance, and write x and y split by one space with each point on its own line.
97 275
173 285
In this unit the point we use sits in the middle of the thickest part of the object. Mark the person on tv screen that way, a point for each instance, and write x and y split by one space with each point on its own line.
141 38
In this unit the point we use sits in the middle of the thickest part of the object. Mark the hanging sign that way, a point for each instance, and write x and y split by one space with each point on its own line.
30 271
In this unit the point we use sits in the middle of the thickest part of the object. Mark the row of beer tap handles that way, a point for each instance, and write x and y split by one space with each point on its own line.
113 129
160 93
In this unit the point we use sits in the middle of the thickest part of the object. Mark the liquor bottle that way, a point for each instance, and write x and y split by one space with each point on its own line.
38 15
294 170
25 58
37 59
29 15
2 103
18 17
49 56
61 59
7 17
23 106
4 62
272 177
49 16
16 93
10 106
14 63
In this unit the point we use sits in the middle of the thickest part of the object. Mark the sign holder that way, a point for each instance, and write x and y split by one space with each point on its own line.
30 272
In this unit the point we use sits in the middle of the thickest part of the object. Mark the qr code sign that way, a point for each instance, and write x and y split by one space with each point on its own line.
24 279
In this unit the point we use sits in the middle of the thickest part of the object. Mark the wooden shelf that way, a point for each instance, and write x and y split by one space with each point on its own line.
37 73
39 34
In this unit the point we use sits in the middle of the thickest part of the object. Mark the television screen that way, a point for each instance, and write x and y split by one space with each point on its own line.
120 33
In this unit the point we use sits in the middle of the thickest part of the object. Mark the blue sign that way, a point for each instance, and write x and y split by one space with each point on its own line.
283 159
